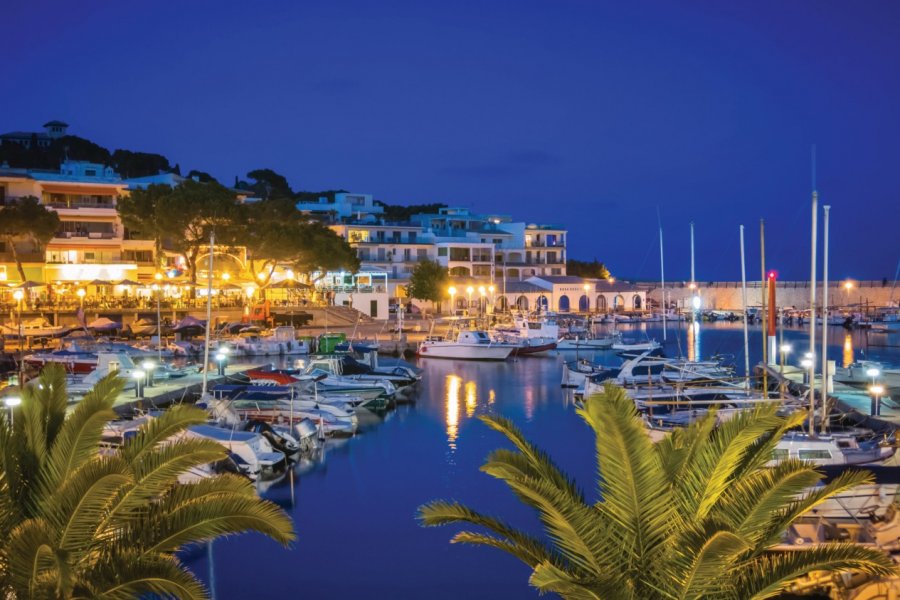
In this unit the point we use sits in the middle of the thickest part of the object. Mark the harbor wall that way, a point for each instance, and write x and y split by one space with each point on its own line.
726 295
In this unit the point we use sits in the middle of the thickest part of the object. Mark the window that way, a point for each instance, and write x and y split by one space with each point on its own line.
459 254
778 454
407 254
411 236
442 251
90 172
808 454
356 236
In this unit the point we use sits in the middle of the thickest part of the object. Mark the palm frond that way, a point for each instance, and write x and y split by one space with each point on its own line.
537 458
635 494
752 500
32 559
128 575
216 517
82 502
711 468
547 577
702 555
779 521
760 452
524 547
158 430
767 575
80 434
155 473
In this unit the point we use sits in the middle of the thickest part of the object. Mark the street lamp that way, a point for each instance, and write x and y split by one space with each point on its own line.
848 285
226 276
11 403
785 350
220 361
469 291
481 292
80 293
873 373
138 377
876 391
491 290
148 366
587 289
452 292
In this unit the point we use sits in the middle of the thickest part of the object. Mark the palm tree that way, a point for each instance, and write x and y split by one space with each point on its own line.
80 523
693 516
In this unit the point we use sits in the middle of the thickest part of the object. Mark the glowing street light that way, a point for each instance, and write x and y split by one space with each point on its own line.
148 366
11 403
138 377
785 350
482 291
452 292
221 357
18 295
226 276
469 291
80 293
877 391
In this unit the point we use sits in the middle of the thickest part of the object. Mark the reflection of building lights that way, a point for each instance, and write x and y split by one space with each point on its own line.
491 397
471 398
453 384
696 302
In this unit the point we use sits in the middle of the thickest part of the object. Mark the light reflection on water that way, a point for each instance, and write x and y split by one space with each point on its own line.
848 351
359 499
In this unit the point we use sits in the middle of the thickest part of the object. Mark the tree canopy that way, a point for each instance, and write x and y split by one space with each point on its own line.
26 218
401 213
141 212
694 516
428 281
269 184
593 269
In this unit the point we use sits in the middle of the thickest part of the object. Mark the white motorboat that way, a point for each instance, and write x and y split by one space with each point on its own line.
252 452
634 346
469 345
837 448
586 343
857 374
281 342
39 327
530 336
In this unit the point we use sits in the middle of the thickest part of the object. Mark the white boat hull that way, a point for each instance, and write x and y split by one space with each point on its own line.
464 351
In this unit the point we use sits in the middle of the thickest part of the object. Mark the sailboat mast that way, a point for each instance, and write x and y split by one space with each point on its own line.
692 253
662 281
812 303
763 301
824 393
209 274
744 299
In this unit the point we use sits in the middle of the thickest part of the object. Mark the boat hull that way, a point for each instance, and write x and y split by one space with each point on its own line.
464 351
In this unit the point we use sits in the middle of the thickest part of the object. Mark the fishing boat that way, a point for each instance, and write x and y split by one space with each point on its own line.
469 345
529 336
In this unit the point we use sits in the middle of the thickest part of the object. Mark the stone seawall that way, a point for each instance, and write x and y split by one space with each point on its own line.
726 295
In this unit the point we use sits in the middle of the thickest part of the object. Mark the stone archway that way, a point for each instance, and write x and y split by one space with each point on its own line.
636 302
564 303
618 302
502 304
522 303
601 303
543 303
584 304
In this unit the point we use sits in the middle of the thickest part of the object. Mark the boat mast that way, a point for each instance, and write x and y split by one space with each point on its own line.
812 303
824 394
744 299
212 242
662 277
763 300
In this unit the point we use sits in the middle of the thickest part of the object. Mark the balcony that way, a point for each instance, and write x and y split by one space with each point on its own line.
85 235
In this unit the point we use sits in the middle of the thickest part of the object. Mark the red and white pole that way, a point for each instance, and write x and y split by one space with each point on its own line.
773 311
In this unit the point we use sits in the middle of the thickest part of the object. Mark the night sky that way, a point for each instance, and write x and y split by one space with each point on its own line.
591 114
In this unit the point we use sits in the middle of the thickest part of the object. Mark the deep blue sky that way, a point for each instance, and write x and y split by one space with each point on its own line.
582 112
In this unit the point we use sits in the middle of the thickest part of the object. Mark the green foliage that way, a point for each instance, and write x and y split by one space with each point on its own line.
269 184
428 281
141 212
194 210
77 523
275 233
694 516
130 164
30 219
201 176
401 213
593 269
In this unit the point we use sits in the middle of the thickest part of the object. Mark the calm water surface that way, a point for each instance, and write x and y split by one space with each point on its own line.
354 509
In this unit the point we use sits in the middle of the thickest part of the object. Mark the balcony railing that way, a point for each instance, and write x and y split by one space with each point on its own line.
92 235
81 204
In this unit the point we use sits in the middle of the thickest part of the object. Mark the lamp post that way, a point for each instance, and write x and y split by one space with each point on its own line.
148 366
491 290
876 391
11 403
587 288
452 292
138 377
469 291
481 307
848 285
18 295
873 373
807 364
80 293
158 291
220 362
785 350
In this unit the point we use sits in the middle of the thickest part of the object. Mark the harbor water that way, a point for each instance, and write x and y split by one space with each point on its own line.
354 507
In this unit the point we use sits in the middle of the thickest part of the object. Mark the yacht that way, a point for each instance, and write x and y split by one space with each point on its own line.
470 344
252 452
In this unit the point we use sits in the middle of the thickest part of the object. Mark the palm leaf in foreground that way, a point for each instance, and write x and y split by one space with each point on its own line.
692 517
84 525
